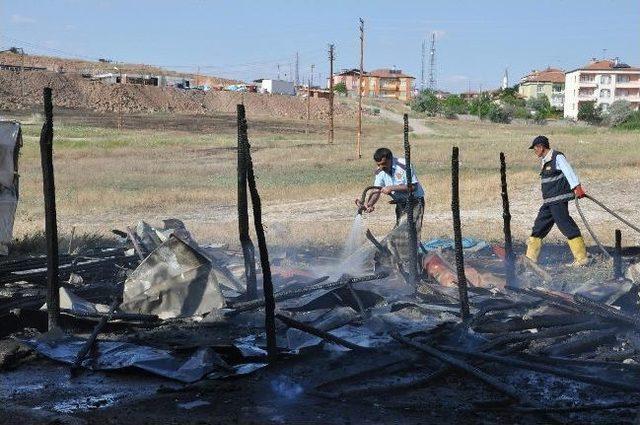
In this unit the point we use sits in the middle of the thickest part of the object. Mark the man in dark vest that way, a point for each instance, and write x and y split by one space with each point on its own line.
559 185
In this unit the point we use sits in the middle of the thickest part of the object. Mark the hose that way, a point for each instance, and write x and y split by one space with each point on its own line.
364 195
593 235
604 207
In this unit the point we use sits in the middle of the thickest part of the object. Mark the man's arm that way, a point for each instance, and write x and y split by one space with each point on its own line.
563 165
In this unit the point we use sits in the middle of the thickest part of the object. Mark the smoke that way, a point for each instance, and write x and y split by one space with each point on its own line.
286 388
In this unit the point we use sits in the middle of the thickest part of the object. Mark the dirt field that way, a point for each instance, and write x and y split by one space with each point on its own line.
184 166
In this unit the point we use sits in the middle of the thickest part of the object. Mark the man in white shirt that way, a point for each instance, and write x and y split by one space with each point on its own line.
391 176
559 185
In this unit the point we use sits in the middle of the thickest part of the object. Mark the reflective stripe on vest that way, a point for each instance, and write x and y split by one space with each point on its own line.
559 198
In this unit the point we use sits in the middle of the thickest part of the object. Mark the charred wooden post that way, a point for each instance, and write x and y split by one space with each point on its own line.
411 224
318 332
506 216
93 337
267 284
51 226
457 233
248 249
617 258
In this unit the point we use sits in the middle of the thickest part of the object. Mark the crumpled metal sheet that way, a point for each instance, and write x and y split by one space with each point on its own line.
118 355
175 280
10 142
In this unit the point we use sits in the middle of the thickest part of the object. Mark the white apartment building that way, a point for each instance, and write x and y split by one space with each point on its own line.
604 82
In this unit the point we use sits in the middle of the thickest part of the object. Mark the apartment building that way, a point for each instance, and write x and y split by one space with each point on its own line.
549 82
602 82
386 83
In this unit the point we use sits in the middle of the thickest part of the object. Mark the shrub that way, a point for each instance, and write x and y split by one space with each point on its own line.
340 88
589 112
427 102
540 107
631 123
501 114
480 106
618 112
453 105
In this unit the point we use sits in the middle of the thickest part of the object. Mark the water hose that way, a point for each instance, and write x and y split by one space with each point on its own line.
364 195
604 207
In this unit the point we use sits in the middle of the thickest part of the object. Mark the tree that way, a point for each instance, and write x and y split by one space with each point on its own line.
480 106
618 112
510 96
427 102
589 112
453 105
540 106
340 88
501 114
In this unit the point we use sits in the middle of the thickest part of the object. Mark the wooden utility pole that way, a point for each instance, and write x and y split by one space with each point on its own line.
50 221
309 97
331 58
359 134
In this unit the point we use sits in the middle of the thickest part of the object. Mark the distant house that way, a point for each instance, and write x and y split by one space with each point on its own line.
602 82
549 82
387 83
276 87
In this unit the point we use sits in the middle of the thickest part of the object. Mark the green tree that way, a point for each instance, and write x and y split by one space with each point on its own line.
631 123
501 114
540 107
427 102
618 112
589 112
480 106
340 88
510 96
453 105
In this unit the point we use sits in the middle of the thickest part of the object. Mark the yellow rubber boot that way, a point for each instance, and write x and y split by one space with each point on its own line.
533 248
579 250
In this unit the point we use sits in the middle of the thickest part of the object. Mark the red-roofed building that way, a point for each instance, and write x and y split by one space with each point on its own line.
549 82
602 82
388 83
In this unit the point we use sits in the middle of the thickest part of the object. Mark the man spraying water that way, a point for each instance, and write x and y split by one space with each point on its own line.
391 177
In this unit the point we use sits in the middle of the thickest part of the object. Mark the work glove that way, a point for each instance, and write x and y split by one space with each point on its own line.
579 191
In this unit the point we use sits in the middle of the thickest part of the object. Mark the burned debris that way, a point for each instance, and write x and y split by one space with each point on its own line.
466 325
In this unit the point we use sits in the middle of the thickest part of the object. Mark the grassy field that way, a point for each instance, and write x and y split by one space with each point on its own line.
106 178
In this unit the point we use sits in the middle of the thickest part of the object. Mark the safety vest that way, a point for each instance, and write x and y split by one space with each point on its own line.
555 186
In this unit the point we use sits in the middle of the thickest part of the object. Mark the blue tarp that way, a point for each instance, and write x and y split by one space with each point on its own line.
446 243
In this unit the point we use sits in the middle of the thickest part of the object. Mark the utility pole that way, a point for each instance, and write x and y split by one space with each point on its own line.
290 73
422 67
278 71
312 68
331 58
432 63
309 98
359 133
297 81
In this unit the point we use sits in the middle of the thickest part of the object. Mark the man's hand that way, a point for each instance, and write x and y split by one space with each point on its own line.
386 190
369 208
358 203
579 191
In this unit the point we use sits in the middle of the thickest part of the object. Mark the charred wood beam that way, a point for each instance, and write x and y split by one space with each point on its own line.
520 364
457 233
292 323
135 241
506 216
314 286
535 268
93 337
605 311
569 409
248 249
411 224
267 284
51 225
617 257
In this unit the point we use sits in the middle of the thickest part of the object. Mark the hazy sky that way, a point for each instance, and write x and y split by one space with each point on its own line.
476 40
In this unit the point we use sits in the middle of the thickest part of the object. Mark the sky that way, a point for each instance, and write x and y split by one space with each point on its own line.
475 40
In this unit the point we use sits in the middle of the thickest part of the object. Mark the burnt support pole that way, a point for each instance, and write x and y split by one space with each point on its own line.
267 284
411 224
457 234
248 249
506 216
617 257
51 226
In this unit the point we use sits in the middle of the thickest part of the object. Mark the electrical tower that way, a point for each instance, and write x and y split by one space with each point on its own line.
432 63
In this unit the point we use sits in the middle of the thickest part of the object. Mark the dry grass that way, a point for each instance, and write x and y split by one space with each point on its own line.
109 179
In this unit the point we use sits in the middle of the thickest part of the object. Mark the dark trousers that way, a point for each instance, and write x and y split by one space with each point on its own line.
557 214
